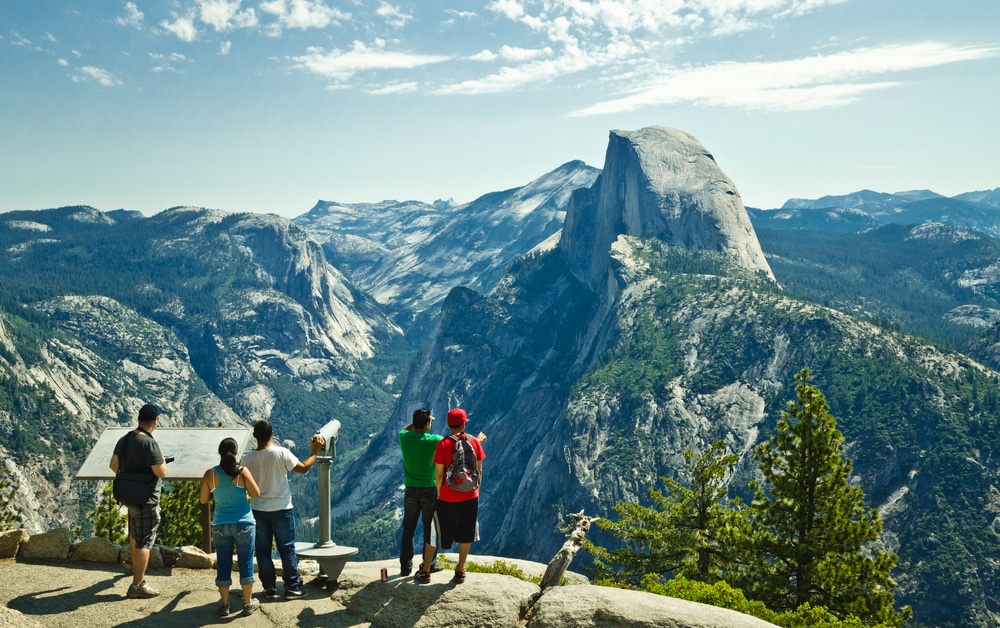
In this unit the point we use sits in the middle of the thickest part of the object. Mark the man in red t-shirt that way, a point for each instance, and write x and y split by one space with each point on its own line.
455 513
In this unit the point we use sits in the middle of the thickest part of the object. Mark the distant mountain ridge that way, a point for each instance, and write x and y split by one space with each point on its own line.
411 254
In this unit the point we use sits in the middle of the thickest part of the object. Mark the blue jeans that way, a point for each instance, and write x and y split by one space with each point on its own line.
418 503
227 536
278 526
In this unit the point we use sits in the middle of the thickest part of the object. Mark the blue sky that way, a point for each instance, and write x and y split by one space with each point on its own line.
269 106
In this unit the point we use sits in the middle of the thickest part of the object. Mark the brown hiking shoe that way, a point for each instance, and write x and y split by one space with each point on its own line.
142 591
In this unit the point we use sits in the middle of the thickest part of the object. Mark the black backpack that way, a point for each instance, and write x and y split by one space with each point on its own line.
462 474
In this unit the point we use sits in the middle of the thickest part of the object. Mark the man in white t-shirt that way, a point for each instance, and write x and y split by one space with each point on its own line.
269 464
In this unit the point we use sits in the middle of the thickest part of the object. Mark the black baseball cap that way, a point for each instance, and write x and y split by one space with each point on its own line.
148 412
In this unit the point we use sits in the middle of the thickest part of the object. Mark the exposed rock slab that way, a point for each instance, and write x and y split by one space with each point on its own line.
565 607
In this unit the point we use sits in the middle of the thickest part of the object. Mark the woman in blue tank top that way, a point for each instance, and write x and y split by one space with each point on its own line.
232 523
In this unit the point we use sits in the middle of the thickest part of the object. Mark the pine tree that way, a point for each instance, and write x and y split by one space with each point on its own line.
813 534
180 513
9 513
109 521
690 530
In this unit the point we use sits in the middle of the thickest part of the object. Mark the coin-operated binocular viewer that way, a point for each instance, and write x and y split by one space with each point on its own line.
330 556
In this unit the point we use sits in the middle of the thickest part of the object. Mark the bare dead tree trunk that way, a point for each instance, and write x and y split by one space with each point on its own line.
577 530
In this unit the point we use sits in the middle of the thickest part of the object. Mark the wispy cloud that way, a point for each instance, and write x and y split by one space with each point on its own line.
133 16
816 82
166 63
406 87
19 39
612 34
94 73
341 65
572 59
393 15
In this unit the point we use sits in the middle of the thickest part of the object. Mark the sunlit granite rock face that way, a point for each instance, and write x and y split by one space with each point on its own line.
658 183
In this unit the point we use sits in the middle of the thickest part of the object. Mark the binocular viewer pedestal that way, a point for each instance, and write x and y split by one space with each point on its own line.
330 556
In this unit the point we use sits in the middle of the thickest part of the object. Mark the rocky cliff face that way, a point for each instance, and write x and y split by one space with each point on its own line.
658 183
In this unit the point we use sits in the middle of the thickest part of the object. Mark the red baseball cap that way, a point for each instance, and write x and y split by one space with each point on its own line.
457 418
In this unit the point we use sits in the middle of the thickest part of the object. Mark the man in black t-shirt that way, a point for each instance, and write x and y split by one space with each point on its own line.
137 452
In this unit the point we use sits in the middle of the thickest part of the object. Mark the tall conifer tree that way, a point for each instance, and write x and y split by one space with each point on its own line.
690 530
813 533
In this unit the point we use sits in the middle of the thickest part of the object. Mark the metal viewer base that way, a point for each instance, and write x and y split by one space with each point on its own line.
331 558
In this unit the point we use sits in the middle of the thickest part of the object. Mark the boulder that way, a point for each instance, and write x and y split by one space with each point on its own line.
565 607
10 542
192 557
155 558
97 550
53 545
483 600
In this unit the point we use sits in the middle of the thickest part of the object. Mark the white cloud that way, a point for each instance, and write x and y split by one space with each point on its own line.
182 26
166 63
393 15
341 65
301 14
486 55
94 73
62 62
50 37
512 53
225 47
511 9
466 15
513 77
133 16
407 87
816 82
224 15
19 40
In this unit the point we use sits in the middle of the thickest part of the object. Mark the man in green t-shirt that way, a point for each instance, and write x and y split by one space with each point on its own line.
418 446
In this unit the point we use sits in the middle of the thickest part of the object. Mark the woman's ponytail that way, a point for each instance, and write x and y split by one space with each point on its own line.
227 457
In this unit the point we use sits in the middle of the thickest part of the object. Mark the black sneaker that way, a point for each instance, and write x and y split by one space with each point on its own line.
434 567
423 577
270 594
459 577
292 594
405 569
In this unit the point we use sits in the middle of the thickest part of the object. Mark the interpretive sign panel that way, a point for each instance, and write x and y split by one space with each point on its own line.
194 449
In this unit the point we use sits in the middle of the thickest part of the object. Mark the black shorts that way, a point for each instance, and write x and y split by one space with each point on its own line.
455 522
